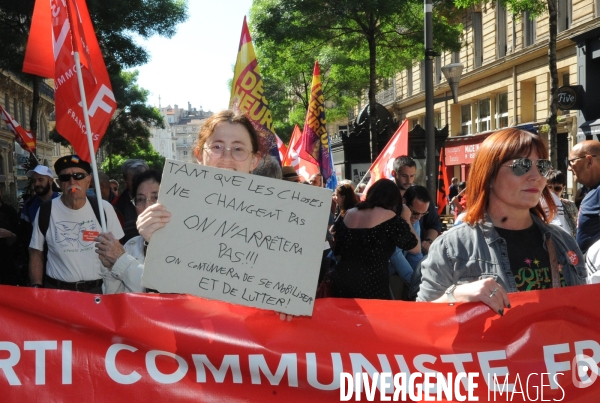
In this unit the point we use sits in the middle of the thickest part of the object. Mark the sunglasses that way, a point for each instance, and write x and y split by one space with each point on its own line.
521 166
416 214
67 177
557 188
569 162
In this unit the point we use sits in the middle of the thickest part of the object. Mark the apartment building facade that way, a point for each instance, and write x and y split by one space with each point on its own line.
505 80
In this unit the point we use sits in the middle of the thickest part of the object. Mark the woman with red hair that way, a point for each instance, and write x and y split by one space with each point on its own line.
507 244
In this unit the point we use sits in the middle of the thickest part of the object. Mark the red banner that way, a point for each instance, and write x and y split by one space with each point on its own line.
76 347
53 39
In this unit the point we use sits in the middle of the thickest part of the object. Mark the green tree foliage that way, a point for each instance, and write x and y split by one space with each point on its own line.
369 39
112 165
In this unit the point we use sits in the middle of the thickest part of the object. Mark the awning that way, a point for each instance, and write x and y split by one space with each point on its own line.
589 130
461 149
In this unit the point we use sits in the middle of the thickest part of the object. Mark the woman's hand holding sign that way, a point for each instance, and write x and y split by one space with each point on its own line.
153 218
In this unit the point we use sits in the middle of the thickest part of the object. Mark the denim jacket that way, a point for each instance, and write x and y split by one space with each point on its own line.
468 253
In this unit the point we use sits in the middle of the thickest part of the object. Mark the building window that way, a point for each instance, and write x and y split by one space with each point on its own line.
422 74
528 30
483 115
465 119
565 79
409 81
437 119
15 112
1 165
478 39
343 130
501 31
24 120
564 15
502 110
185 153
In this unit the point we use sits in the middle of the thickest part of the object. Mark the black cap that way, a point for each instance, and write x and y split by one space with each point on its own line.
71 161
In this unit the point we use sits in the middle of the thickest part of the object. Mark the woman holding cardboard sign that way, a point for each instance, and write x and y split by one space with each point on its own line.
228 140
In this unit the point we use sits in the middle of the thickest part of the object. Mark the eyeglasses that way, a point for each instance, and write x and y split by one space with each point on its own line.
140 201
67 177
521 166
416 214
569 162
237 153
557 188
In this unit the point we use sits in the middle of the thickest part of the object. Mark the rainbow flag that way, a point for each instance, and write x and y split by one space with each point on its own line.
316 144
247 93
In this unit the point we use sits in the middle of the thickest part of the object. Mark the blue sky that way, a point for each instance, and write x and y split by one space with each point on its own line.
195 64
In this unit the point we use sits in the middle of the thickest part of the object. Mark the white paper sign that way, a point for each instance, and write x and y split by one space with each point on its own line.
240 238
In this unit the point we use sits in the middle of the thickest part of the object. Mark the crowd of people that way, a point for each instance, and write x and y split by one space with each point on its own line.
514 228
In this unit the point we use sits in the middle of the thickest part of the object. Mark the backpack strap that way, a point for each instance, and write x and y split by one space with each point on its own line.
44 216
94 202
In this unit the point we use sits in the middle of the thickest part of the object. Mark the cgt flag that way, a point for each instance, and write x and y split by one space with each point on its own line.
383 165
316 144
247 93
57 31
303 167
22 136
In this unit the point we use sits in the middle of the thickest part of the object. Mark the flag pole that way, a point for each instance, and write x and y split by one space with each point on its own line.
88 131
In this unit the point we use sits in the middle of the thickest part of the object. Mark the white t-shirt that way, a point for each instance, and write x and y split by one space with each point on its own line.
71 247
559 218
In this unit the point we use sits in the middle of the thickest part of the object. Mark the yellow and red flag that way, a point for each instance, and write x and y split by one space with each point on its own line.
384 164
247 93
22 136
57 31
316 144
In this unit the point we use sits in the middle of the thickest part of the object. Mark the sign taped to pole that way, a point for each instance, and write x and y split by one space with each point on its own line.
240 238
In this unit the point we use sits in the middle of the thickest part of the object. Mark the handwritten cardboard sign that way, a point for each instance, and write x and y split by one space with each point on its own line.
240 238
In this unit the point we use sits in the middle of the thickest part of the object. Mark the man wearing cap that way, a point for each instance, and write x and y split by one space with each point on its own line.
42 178
72 262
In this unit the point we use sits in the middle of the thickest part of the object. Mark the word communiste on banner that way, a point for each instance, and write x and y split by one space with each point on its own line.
239 238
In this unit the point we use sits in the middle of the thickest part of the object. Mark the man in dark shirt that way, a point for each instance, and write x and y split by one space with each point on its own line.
584 161
404 173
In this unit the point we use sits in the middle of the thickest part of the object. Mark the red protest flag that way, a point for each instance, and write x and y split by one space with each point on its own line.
22 136
442 195
50 51
382 167
293 146
281 147
303 167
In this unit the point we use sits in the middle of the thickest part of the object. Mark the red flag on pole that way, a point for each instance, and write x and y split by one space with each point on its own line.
50 51
442 195
22 136
303 167
281 147
383 165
